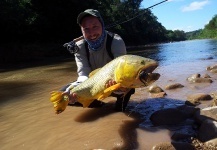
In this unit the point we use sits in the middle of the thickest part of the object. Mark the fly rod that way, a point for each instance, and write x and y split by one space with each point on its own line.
116 23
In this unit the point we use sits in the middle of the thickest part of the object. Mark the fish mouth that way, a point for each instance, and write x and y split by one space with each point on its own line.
146 76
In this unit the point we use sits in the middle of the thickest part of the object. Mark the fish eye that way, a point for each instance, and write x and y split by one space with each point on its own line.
142 62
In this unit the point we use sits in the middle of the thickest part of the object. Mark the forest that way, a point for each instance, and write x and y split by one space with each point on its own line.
37 29
209 31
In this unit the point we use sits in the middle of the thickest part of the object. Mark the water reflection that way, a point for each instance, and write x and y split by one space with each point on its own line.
185 51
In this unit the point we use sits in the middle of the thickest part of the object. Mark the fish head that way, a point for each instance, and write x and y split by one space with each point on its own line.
136 71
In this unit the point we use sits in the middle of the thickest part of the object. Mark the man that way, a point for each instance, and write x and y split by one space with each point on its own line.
92 52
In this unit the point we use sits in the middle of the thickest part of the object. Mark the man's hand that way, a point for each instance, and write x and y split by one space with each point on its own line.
118 91
72 97
110 83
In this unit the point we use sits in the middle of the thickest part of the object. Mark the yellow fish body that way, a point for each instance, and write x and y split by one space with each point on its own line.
129 71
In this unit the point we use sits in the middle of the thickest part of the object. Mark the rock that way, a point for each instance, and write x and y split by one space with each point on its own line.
174 86
182 146
213 70
173 146
211 144
189 111
196 98
201 80
208 58
158 95
170 116
155 89
208 130
214 102
181 136
197 144
188 103
199 97
206 76
207 113
195 78
214 96
163 146
211 67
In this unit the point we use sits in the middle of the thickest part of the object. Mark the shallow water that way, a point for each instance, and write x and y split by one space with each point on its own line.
28 121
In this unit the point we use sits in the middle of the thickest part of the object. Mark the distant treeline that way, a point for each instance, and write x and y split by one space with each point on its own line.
209 31
38 28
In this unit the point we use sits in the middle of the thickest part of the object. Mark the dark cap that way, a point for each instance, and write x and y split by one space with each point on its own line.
91 12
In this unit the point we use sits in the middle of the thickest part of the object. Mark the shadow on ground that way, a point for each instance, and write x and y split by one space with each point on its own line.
140 112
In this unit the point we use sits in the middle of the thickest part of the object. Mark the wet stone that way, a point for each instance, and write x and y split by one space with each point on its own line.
211 144
181 136
199 97
213 70
208 130
158 95
155 89
196 99
196 78
174 86
189 111
163 146
201 80
214 96
207 113
206 76
173 146
212 67
170 116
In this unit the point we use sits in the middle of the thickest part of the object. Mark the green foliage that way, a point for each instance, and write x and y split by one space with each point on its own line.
191 35
209 31
14 16
212 25
31 22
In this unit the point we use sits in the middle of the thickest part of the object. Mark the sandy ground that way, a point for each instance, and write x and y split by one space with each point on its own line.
28 121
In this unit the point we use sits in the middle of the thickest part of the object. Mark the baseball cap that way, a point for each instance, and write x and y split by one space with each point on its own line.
91 12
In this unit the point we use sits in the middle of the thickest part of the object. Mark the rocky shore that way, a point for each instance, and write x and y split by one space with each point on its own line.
195 127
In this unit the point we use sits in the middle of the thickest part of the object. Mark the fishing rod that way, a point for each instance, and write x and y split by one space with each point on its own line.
116 23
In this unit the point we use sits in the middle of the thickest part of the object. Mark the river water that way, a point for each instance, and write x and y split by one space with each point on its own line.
28 121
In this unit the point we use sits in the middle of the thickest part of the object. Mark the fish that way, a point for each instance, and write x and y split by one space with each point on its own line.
128 71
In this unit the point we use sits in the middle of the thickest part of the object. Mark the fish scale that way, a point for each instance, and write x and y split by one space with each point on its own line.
94 87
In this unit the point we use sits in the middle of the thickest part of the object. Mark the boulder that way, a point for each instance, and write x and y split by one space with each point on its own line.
207 130
170 116
174 86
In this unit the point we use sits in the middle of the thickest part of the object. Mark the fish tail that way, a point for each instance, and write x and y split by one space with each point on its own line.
60 100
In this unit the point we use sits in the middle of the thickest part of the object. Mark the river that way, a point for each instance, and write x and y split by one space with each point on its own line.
28 121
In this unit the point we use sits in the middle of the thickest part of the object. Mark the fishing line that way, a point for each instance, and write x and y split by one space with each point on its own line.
116 23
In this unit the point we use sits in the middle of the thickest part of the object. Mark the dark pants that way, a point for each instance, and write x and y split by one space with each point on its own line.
122 100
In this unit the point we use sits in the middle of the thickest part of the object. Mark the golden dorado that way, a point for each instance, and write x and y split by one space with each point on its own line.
129 71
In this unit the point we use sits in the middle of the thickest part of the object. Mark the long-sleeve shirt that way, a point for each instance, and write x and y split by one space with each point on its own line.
99 58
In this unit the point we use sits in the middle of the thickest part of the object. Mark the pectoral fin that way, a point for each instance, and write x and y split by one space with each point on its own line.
108 91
